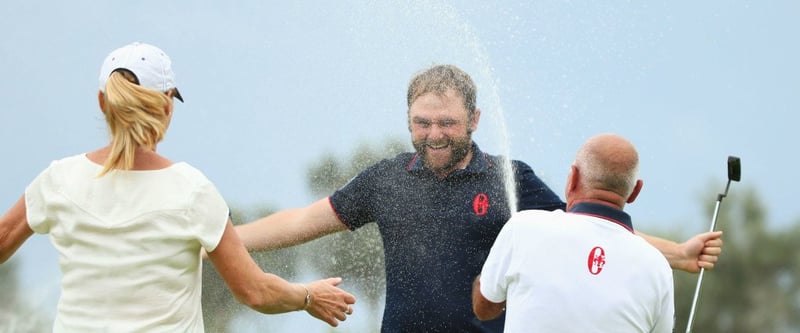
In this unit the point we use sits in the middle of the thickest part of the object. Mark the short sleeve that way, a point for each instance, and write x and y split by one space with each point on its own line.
36 202
532 192
209 215
494 281
352 202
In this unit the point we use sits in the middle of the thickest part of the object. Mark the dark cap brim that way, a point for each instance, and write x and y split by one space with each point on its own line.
178 94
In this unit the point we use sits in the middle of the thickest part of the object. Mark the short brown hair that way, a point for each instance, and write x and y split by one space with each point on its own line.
441 78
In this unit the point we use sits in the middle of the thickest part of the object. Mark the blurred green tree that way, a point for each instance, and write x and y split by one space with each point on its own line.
16 314
220 307
356 256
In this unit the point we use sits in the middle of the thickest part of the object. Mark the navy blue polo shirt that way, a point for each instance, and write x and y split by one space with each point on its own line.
436 233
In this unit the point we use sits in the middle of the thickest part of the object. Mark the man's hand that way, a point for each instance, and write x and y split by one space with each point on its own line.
702 250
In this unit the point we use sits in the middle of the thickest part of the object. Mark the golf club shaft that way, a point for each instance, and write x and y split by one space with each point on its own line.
694 301
700 278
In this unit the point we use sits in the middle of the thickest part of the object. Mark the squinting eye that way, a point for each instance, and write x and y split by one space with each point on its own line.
447 123
422 123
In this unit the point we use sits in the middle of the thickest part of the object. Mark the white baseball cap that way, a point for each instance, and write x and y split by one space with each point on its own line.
149 64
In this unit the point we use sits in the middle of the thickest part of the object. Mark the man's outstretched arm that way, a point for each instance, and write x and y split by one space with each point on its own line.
702 250
290 227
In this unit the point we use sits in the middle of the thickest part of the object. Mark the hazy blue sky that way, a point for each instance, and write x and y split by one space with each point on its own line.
270 86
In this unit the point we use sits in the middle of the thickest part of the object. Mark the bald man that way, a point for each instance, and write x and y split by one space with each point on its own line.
583 270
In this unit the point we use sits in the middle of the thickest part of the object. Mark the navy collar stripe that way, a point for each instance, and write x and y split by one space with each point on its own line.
605 212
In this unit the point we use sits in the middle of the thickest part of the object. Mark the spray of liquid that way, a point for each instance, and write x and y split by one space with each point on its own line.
488 93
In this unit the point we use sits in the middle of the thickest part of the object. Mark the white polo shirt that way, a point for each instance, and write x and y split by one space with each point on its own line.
128 242
581 271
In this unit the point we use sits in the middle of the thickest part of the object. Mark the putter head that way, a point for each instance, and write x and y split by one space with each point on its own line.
734 168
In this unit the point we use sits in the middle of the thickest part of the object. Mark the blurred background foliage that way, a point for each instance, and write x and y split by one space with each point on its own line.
356 256
755 287
18 314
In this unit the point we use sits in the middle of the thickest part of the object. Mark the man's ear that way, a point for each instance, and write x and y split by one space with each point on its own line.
571 189
572 179
636 189
476 117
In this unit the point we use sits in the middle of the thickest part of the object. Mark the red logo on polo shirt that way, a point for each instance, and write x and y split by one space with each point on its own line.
597 259
480 205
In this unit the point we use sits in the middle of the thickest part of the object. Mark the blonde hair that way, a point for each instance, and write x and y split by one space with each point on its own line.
136 117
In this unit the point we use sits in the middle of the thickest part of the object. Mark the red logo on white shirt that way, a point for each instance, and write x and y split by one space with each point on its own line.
480 205
597 259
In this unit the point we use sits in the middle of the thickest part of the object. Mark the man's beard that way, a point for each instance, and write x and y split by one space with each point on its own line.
459 148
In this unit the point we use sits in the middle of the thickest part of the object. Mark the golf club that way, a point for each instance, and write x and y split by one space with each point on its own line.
734 174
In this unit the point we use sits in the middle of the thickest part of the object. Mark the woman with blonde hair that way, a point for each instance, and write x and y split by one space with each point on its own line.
130 225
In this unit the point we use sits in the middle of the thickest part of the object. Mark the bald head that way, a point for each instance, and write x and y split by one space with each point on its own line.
608 162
